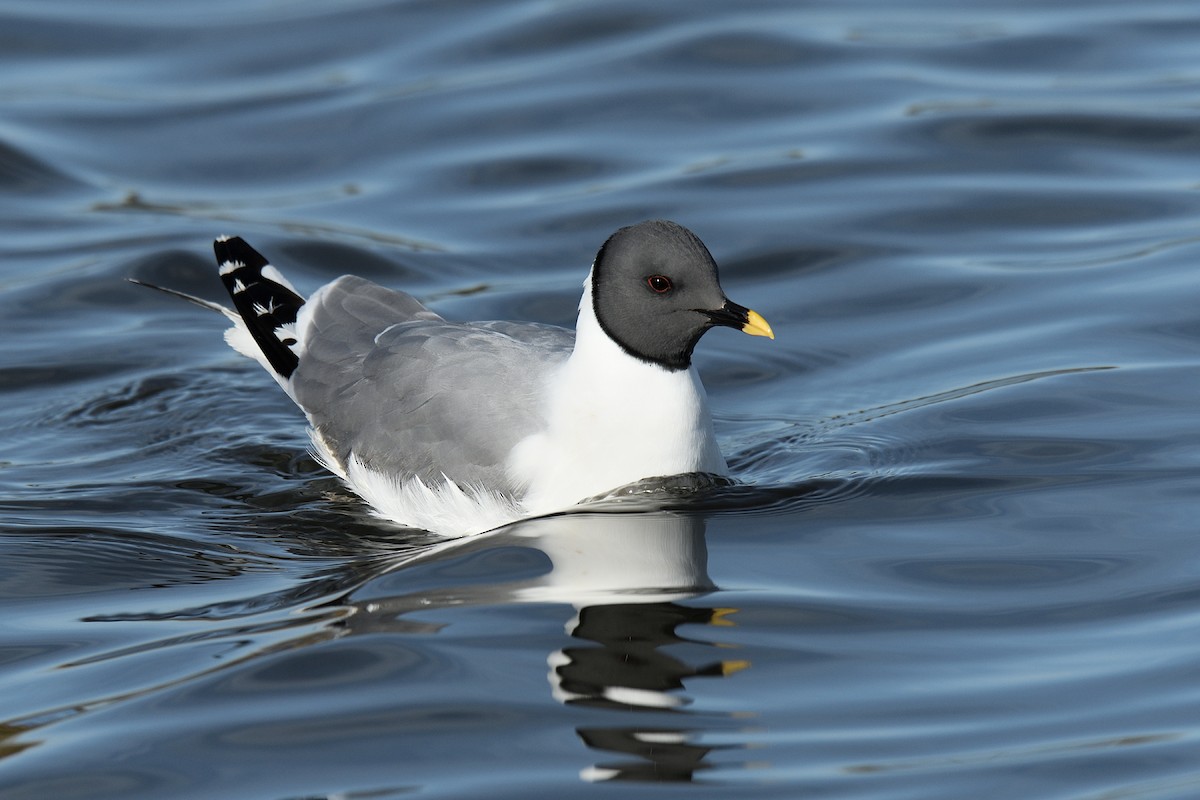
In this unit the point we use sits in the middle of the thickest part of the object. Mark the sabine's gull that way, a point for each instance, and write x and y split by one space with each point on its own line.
460 427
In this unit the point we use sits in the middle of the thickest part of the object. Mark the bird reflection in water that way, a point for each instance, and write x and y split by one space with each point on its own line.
626 575
632 670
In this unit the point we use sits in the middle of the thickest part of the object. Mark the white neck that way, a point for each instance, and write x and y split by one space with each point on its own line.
613 419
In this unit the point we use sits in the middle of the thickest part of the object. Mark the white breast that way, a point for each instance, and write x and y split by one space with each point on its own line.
613 419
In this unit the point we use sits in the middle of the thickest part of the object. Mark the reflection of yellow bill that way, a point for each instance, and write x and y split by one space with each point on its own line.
730 667
719 615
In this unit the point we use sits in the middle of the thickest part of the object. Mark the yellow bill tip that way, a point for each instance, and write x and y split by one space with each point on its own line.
757 326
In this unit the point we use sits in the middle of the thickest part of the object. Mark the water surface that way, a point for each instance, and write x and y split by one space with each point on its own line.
960 560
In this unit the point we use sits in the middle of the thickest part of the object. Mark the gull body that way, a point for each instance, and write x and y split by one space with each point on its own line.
460 427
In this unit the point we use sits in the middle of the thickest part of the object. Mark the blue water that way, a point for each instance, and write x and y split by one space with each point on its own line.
962 556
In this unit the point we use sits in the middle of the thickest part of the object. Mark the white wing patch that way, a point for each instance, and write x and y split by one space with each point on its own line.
229 266
238 337
275 276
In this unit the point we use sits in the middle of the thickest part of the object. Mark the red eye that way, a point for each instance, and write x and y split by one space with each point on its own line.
659 283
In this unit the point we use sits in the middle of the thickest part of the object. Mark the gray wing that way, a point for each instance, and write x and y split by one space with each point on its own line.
409 393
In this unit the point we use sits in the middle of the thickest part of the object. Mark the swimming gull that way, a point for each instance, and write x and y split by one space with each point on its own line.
460 427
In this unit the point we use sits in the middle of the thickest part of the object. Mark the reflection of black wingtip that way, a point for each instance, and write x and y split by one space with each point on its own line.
663 755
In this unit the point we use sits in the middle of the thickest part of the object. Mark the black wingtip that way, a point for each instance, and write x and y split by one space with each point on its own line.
264 304
234 248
